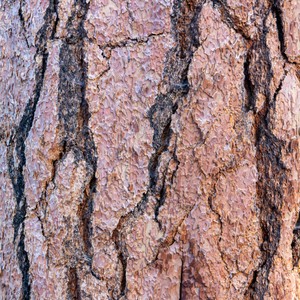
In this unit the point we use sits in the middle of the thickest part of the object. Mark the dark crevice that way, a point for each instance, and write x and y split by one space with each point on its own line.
42 225
269 191
47 31
184 19
185 27
56 20
163 189
181 281
160 201
85 211
123 260
16 151
277 13
251 285
74 118
131 17
24 265
43 199
117 236
278 89
249 86
90 156
210 200
96 275
230 20
130 41
296 247
20 13
296 243
272 184
73 285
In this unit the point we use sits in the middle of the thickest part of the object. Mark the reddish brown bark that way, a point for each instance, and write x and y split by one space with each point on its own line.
150 149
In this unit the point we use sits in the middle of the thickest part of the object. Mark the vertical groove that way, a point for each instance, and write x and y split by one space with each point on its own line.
277 12
249 86
296 243
16 152
181 281
73 285
74 117
272 184
184 21
20 12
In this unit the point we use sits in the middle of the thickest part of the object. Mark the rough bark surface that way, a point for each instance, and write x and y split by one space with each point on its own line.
149 149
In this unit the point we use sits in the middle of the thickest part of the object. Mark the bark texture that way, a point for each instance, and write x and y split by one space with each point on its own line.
149 149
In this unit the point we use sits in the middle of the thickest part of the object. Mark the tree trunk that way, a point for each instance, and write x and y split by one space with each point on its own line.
150 149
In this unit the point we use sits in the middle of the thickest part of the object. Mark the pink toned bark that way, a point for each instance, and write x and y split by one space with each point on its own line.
149 149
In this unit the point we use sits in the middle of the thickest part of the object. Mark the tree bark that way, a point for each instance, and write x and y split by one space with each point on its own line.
150 149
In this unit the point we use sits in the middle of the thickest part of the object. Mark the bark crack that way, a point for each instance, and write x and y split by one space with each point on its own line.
272 173
231 21
213 193
161 196
181 280
296 243
277 13
74 119
16 150
73 285
22 20
249 85
131 17
184 20
131 41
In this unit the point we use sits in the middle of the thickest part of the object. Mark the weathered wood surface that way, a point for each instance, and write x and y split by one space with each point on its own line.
149 149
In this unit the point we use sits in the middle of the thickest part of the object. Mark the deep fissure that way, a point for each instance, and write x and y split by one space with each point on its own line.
73 285
160 115
17 162
20 12
74 118
277 12
271 171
